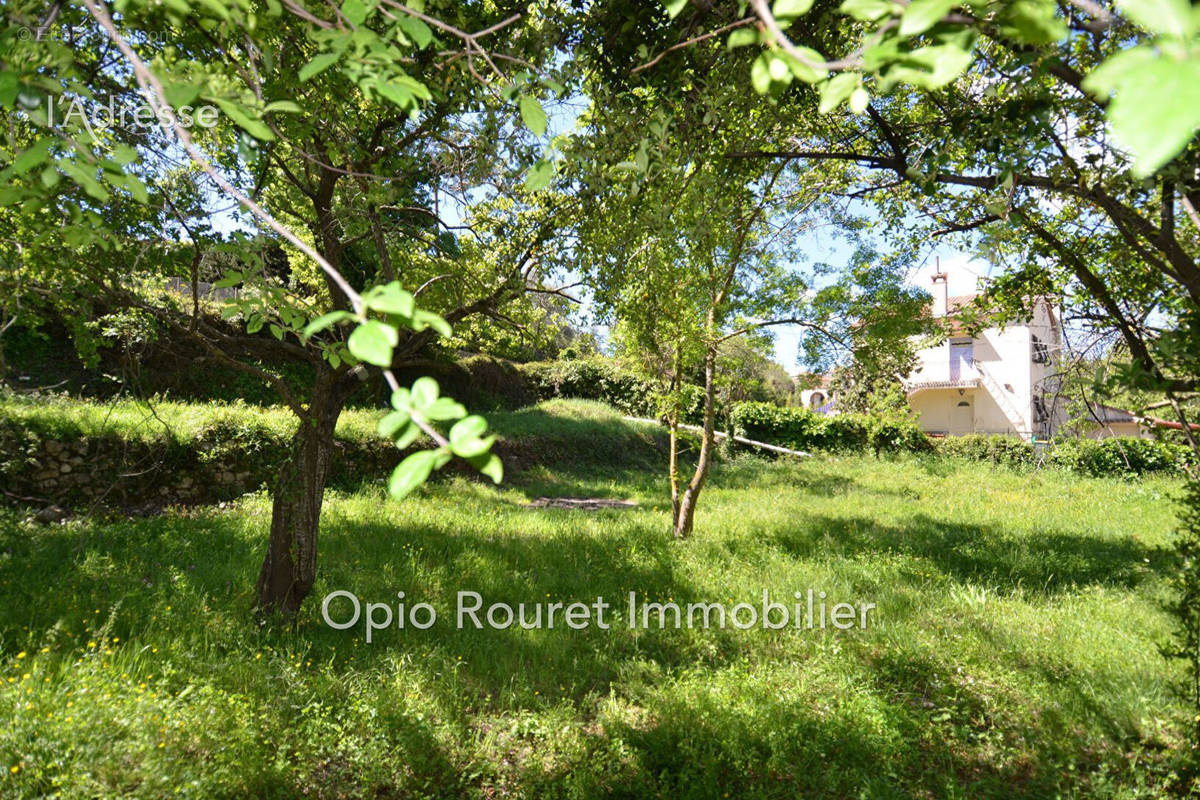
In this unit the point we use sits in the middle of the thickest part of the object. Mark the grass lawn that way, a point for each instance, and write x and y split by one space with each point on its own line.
1012 652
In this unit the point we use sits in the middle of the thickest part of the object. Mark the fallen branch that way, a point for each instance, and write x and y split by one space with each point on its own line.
774 448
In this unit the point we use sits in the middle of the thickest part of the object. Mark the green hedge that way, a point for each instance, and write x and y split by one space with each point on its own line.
606 381
1120 456
995 448
1094 457
801 429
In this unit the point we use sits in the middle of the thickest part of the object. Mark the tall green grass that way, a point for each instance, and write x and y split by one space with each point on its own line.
1012 653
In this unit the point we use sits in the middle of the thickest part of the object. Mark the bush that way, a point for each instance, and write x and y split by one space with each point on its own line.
480 382
996 448
1120 456
894 434
606 381
801 429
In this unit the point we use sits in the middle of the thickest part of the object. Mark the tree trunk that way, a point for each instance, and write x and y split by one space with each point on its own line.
686 510
290 565
673 425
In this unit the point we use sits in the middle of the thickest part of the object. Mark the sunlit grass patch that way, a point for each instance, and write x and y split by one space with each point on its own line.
1013 652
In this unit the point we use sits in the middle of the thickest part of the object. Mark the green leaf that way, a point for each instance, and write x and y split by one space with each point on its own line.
217 9
411 473
283 106
402 399
803 71
181 94
858 100
392 423
1170 17
32 156
255 323
373 342
940 65
760 74
414 86
124 154
318 65
230 279
467 437
1032 22
85 179
472 447
408 435
136 188
50 177
539 175
240 115
533 115
422 319
8 89
778 69
355 12
324 321
390 299
790 9
866 10
674 7
837 89
742 37
1155 111
396 93
921 15
490 465
471 427
1104 79
416 29
444 409
424 392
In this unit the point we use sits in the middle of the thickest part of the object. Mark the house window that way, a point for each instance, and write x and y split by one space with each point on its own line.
1041 353
961 358
1041 414
816 400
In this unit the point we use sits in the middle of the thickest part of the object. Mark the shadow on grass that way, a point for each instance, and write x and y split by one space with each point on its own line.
1046 560
431 564
922 732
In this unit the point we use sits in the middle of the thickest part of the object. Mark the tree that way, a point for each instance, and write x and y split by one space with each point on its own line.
283 81
1058 138
682 251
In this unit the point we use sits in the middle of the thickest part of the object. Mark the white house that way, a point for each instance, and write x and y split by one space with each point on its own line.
818 397
1002 380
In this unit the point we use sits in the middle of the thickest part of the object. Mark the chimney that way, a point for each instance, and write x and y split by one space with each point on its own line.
939 294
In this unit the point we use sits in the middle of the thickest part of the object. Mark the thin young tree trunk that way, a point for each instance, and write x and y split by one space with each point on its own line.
686 512
289 568
673 424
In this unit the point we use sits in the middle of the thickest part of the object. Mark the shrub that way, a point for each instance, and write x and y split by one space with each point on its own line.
801 429
895 434
995 448
1118 456
606 381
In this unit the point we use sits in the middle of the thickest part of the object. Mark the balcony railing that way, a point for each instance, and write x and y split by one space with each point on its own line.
960 383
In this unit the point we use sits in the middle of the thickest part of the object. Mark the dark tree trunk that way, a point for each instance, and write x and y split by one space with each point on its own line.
290 565
685 510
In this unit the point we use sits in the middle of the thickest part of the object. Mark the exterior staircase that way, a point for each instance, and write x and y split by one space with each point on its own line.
1002 398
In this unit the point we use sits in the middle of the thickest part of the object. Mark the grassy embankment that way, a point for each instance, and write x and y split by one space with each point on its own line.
1012 653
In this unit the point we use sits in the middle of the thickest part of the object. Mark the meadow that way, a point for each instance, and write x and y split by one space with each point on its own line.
1013 652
